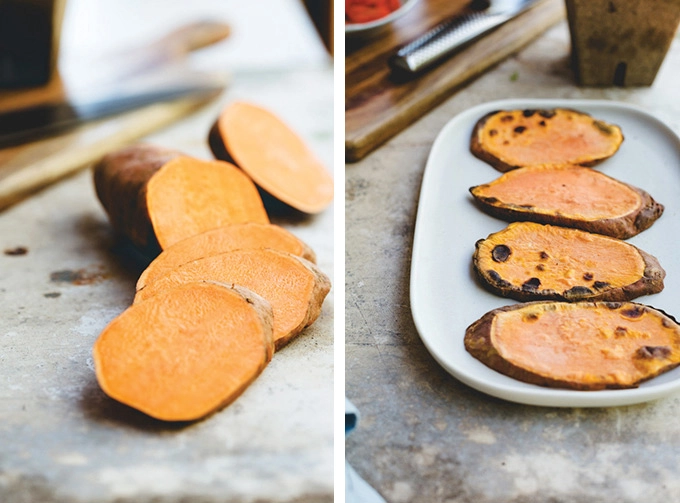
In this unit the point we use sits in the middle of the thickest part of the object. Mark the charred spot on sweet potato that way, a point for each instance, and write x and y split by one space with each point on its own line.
604 127
514 263
531 284
633 312
578 292
620 331
500 253
660 352
496 278
557 136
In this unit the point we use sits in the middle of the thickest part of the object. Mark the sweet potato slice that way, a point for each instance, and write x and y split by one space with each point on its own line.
582 345
529 261
186 352
221 240
157 197
188 196
293 286
571 196
508 139
273 155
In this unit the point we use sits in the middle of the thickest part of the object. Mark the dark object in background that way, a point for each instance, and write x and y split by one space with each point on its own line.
29 40
321 13
620 43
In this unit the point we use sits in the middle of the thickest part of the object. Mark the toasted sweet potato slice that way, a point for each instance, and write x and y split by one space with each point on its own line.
293 286
570 196
221 240
274 156
508 139
187 352
530 261
582 345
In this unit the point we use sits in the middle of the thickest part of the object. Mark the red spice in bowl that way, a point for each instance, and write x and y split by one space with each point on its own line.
365 11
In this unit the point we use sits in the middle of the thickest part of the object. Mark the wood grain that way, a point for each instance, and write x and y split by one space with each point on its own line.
379 103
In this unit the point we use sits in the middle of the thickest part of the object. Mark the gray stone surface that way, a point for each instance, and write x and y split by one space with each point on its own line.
424 436
61 439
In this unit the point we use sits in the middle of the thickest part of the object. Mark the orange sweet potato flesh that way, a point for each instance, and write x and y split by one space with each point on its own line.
188 196
186 352
509 139
273 155
221 240
293 286
529 261
571 196
582 345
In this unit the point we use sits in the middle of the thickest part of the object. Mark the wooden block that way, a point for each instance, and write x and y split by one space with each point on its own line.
620 42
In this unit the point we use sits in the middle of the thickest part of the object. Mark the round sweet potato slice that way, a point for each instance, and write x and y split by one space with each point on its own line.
582 345
509 139
293 286
273 155
529 261
570 196
187 352
221 240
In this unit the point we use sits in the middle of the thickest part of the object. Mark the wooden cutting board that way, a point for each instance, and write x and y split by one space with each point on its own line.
379 104
27 168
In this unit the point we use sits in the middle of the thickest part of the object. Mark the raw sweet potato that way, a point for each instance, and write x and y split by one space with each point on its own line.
529 261
158 197
582 345
221 240
274 156
186 352
120 180
571 196
509 139
293 286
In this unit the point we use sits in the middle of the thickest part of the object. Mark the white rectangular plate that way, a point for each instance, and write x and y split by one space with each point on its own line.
445 295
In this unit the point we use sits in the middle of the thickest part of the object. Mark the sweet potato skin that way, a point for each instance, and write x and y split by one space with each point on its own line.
651 281
120 180
622 227
478 342
478 149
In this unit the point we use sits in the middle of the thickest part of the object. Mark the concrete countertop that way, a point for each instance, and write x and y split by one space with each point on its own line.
423 435
61 438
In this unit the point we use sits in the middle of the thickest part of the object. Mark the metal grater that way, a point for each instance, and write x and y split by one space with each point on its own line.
448 36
